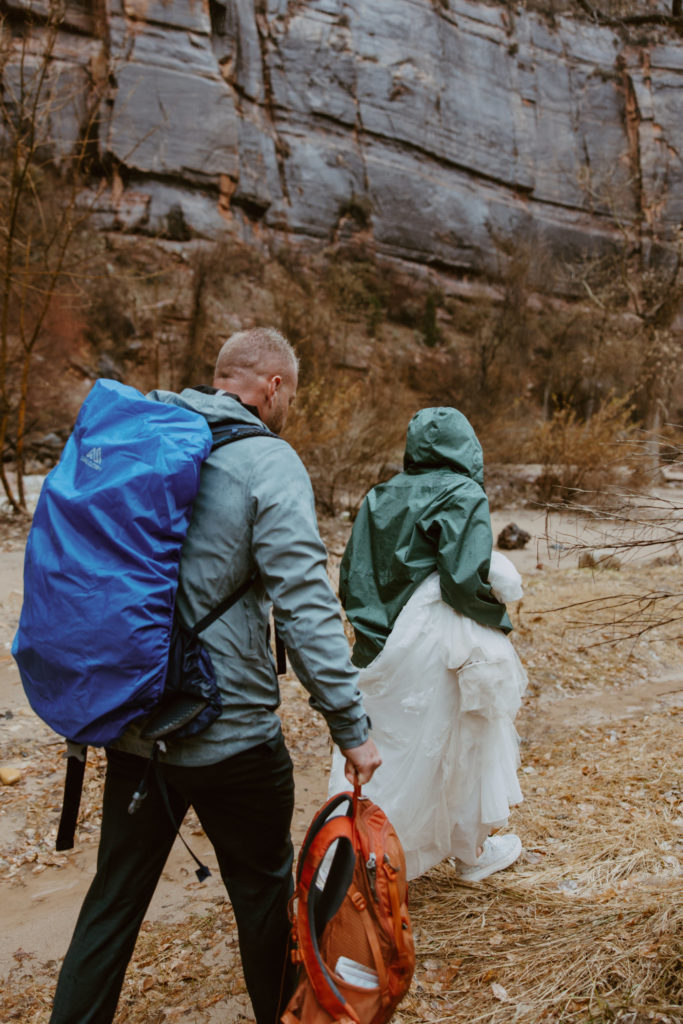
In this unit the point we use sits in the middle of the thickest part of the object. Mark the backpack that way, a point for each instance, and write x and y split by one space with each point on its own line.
351 930
99 643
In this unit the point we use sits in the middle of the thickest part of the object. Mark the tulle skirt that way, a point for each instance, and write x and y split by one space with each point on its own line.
442 697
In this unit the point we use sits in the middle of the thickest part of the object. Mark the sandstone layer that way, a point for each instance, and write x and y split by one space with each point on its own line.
445 131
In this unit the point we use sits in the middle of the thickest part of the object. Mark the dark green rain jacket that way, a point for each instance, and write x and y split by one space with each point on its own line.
433 516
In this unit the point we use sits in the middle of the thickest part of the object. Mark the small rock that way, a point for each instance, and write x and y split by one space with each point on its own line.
512 537
9 776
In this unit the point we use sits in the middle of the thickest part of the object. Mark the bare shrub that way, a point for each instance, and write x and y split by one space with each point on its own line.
348 434
348 421
482 350
582 456
355 288
643 526
42 172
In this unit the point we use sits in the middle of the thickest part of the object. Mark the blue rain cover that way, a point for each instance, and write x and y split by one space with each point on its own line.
101 563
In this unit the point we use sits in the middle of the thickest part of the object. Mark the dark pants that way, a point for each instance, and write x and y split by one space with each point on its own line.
245 805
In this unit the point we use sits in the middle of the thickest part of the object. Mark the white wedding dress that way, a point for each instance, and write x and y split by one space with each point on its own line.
442 697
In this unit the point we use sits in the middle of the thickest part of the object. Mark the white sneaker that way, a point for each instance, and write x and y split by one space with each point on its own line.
499 852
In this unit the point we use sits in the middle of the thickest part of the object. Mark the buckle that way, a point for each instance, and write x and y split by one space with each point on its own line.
358 901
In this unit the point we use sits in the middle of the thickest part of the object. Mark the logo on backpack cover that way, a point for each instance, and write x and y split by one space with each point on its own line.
93 458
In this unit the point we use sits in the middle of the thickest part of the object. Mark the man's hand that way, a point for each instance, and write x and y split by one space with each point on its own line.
361 762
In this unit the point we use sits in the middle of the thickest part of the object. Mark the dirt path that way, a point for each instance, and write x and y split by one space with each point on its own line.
42 891
601 744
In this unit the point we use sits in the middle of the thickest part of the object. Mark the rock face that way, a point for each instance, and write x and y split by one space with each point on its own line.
446 129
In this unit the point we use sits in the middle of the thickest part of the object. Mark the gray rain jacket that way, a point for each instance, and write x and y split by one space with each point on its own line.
255 512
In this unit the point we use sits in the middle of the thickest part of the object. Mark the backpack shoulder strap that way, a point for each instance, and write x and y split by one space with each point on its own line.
309 927
221 608
224 434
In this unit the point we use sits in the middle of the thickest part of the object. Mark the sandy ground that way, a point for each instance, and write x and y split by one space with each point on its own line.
572 691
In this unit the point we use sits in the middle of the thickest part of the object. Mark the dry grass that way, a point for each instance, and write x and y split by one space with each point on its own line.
579 456
566 628
587 928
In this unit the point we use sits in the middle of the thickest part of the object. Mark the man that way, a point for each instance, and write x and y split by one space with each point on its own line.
254 514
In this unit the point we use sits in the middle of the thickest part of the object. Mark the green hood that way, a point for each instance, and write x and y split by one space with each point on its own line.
433 517
443 438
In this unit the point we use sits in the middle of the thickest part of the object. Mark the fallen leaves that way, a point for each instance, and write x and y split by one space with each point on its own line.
499 992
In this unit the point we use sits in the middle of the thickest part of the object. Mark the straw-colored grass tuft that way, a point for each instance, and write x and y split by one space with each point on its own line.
588 925
505 951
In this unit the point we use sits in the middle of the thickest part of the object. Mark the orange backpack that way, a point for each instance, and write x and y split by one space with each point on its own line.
351 930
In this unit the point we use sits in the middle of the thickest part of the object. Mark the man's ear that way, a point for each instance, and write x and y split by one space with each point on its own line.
274 384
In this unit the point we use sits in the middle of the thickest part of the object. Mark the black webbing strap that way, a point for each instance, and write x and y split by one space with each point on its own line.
229 432
221 608
280 654
75 766
73 787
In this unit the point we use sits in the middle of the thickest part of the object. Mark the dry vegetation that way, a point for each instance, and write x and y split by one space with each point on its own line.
543 380
586 929
613 12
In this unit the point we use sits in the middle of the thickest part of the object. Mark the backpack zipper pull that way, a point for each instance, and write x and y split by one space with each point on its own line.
389 868
141 790
371 865
137 797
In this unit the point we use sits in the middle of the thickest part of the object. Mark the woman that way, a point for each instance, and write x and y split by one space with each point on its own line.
441 682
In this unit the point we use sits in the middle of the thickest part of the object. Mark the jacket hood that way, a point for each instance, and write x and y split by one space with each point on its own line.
442 438
216 406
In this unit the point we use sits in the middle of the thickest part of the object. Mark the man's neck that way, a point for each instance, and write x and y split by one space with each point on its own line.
207 390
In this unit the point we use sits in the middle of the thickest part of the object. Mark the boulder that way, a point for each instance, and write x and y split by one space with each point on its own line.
512 537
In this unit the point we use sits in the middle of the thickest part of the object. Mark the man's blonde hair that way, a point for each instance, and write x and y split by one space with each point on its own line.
258 350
